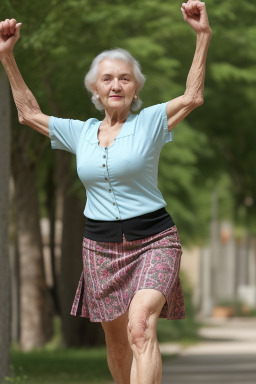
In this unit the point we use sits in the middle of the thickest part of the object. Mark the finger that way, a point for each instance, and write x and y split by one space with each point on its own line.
196 9
193 8
184 14
6 26
201 6
203 14
189 10
197 4
17 31
13 23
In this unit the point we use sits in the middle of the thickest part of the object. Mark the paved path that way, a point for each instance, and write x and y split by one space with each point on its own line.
227 355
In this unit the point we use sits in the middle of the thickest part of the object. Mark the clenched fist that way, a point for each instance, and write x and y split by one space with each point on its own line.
194 13
9 35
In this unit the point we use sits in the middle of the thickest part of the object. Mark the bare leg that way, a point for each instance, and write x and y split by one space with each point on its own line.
119 353
143 313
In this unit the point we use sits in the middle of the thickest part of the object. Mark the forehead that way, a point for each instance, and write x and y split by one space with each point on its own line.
114 67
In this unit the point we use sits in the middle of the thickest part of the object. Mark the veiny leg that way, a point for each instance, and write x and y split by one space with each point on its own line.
119 353
143 313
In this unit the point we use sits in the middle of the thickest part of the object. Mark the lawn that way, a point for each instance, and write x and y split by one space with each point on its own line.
55 365
60 366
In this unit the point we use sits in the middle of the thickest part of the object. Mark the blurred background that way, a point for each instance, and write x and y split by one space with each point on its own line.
207 175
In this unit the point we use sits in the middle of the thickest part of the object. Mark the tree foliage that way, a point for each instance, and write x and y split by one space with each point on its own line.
60 39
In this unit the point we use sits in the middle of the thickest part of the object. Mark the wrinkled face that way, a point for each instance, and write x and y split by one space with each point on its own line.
116 84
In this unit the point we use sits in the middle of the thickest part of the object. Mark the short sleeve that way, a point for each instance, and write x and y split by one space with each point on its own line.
65 133
154 122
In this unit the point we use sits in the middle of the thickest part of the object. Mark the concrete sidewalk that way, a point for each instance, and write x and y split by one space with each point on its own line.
227 355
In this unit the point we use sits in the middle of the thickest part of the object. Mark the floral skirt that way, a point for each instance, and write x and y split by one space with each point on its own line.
114 271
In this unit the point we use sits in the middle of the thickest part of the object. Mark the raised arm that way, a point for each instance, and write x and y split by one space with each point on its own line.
194 13
29 112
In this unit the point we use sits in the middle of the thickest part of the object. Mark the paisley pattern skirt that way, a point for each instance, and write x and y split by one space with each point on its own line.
114 271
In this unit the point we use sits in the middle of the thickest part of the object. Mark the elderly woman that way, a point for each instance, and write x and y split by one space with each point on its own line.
131 248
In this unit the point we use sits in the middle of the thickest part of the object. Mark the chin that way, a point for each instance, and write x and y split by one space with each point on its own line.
116 104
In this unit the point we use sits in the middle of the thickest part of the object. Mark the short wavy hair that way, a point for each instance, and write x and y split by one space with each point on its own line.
115 53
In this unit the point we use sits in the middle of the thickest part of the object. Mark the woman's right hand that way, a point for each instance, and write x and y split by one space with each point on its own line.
9 35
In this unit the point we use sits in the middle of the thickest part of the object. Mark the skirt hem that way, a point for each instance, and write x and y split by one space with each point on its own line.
161 316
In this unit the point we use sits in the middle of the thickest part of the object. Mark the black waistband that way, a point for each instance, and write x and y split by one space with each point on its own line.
134 228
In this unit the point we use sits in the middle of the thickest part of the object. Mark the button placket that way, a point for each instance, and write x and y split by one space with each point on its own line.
110 186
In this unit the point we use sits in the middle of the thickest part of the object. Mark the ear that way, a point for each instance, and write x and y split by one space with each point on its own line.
137 91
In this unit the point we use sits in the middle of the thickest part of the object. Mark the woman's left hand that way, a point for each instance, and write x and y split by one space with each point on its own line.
194 13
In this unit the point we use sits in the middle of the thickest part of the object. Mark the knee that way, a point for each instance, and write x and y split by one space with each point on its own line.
140 329
118 350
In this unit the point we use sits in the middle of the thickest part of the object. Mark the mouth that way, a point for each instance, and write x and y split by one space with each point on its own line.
116 97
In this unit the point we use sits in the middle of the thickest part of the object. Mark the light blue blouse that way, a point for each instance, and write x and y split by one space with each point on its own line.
120 180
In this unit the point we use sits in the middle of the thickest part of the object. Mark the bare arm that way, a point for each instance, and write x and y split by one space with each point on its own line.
29 112
194 12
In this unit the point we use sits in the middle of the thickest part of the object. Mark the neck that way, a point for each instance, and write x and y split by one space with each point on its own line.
113 117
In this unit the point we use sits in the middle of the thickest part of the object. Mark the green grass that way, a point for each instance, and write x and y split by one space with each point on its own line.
60 366
55 365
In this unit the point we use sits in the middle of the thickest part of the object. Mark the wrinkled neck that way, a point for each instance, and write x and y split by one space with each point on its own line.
113 117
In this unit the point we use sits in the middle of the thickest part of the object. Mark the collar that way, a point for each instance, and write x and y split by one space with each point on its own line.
127 129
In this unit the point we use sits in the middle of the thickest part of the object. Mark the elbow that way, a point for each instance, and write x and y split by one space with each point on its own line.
198 102
193 102
23 119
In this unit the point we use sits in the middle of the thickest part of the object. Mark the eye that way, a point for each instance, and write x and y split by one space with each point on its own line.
125 79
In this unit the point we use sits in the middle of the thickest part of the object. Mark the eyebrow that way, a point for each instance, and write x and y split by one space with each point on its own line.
123 74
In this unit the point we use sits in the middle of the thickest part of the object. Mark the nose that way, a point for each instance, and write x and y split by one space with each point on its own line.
115 85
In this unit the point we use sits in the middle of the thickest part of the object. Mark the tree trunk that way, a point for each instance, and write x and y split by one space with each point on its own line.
15 289
5 299
36 307
51 212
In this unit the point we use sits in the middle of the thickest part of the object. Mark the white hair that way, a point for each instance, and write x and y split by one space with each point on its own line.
119 54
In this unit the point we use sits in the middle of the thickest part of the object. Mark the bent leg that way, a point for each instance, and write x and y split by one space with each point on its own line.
119 353
143 313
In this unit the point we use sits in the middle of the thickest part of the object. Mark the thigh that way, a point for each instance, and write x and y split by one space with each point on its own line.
152 299
116 330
